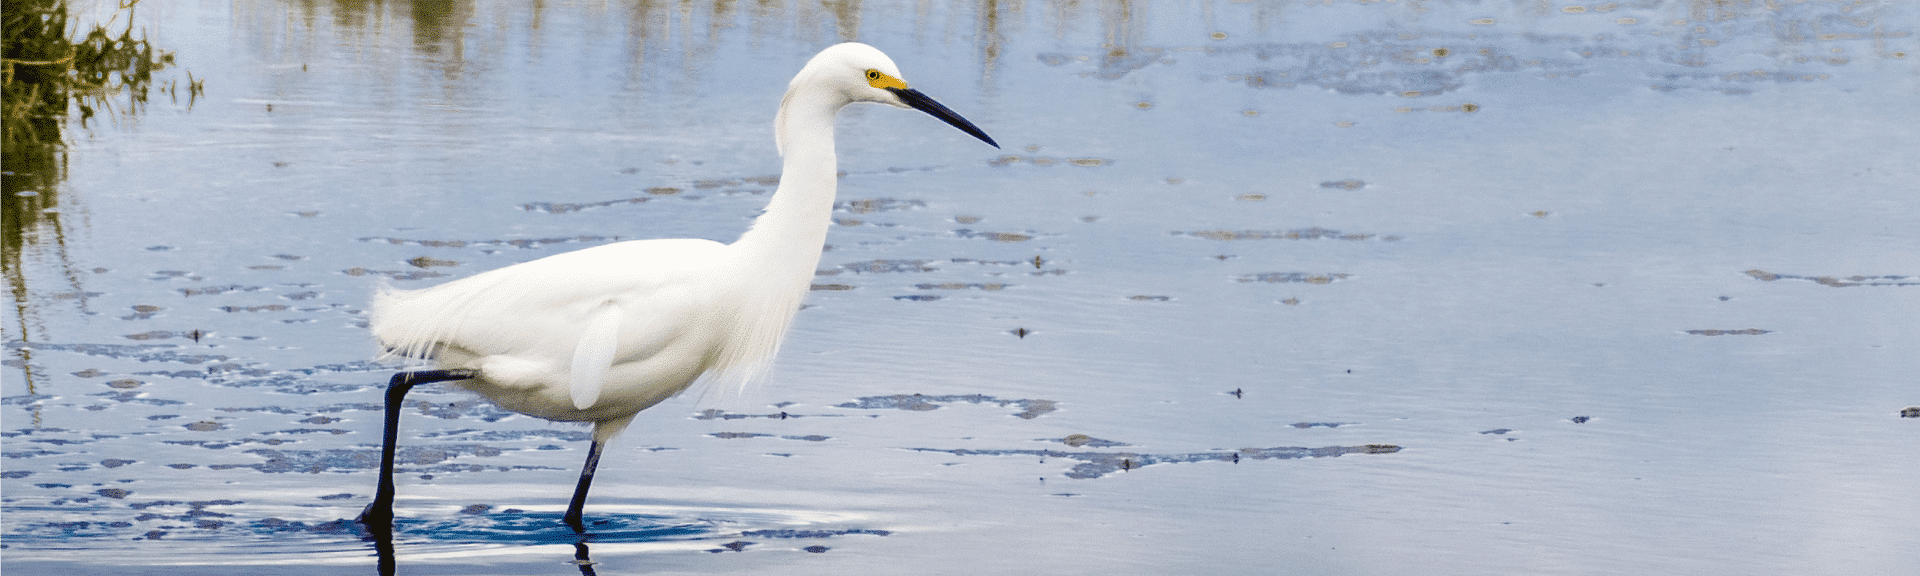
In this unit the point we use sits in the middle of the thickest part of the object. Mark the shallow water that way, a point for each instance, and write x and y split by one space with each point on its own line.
1324 287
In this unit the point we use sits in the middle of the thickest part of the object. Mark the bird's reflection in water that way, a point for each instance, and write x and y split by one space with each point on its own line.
382 538
580 557
389 566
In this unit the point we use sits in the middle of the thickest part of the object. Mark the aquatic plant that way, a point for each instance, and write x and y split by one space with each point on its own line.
50 65
50 72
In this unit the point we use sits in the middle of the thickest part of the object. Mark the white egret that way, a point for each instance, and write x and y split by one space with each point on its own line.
599 334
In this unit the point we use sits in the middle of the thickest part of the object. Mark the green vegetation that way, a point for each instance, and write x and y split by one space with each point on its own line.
51 71
54 73
47 68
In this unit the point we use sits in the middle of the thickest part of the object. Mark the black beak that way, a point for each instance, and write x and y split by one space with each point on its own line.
924 104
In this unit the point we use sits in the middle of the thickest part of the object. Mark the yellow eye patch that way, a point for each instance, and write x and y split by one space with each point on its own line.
878 79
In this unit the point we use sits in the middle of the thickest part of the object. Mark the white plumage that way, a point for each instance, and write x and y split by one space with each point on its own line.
636 322
599 334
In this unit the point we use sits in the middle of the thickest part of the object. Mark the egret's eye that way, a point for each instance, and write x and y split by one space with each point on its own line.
878 79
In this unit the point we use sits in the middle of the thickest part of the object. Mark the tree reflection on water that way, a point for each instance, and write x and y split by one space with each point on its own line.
55 74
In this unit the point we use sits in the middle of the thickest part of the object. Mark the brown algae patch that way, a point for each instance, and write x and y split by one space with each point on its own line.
988 286
565 207
871 205
216 290
394 274
995 236
1097 464
152 335
260 308
741 435
516 243
1838 282
1036 408
142 312
1315 233
886 266
429 262
733 182
1079 440
1030 408
1291 277
1011 159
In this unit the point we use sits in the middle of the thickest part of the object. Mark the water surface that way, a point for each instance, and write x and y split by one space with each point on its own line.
1321 287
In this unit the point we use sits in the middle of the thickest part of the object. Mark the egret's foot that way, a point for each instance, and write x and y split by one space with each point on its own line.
378 516
574 521
374 514
376 519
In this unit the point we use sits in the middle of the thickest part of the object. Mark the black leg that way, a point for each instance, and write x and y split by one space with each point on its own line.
378 517
573 517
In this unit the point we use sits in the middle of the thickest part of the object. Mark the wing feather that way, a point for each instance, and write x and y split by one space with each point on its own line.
593 356
538 310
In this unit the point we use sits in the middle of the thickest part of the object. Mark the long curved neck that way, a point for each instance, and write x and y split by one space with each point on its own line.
789 234
776 258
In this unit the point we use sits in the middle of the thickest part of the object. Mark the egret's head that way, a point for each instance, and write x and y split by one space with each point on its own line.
864 74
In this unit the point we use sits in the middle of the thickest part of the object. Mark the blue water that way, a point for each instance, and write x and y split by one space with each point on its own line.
1607 288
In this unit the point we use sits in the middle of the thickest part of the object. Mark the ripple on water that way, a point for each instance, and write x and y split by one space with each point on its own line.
478 524
1097 464
197 528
